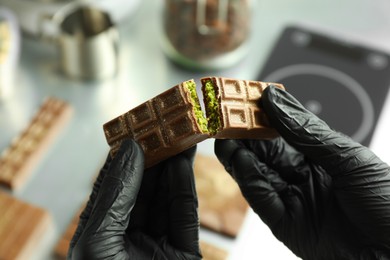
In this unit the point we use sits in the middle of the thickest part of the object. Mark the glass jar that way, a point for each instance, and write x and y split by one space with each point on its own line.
206 34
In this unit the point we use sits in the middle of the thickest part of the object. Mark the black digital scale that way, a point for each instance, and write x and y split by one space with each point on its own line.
343 83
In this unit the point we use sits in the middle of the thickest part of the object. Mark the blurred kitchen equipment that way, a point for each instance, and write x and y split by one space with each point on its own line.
9 50
30 12
206 34
88 42
340 80
85 31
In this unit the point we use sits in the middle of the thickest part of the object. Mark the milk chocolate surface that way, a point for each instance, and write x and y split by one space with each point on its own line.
169 123
239 111
163 126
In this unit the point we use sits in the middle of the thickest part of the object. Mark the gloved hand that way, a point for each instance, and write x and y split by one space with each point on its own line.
135 215
322 194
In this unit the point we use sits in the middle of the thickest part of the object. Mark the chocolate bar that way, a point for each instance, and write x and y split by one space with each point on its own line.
21 227
174 121
164 126
232 108
18 160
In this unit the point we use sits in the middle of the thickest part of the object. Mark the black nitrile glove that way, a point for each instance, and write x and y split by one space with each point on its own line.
322 194
132 214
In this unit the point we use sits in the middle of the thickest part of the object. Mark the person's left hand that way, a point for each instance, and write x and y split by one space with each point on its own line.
132 214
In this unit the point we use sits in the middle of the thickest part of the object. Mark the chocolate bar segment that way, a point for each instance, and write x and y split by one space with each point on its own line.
235 112
164 125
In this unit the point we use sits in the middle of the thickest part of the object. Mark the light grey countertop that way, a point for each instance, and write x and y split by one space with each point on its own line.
63 179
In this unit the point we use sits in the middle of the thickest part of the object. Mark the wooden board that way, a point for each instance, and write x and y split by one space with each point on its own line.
24 153
21 227
222 208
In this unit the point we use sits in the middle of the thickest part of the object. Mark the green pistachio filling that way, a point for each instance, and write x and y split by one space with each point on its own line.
202 121
212 108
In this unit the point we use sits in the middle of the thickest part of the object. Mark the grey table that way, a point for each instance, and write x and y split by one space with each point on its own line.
63 179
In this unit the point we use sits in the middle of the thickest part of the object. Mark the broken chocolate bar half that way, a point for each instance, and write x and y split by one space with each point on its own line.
232 108
173 121
164 126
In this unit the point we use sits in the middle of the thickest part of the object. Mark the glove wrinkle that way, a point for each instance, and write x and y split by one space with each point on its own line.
279 156
253 180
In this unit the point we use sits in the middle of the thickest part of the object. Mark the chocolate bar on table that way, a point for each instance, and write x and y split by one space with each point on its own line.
173 121
25 151
22 226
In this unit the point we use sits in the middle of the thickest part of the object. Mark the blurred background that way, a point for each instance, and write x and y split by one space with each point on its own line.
105 57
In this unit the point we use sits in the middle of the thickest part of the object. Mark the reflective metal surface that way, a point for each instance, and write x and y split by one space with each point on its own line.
88 43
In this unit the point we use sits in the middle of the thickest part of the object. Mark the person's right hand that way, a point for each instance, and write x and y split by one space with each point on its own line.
322 194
